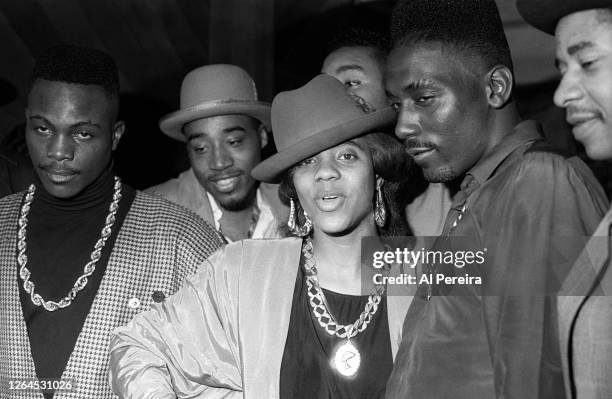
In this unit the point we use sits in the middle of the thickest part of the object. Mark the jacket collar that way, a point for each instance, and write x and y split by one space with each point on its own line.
522 133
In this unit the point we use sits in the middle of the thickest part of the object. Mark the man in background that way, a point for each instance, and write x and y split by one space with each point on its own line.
225 128
583 36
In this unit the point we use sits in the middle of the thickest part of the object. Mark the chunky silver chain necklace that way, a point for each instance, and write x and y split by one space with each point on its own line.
81 282
347 358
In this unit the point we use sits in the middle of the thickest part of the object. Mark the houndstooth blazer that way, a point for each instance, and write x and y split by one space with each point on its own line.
158 246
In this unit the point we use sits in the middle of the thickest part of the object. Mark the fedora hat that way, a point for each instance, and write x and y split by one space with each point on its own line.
544 14
313 118
215 90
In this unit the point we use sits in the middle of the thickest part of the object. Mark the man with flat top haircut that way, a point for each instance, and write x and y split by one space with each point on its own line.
450 77
357 58
583 33
225 128
81 252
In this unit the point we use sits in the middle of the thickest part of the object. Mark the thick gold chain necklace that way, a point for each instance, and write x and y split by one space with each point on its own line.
81 282
347 358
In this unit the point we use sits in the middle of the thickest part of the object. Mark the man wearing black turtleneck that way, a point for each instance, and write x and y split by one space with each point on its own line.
80 252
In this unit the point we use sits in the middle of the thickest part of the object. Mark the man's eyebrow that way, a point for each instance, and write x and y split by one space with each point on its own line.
418 84
78 124
229 129
86 123
349 67
575 48
234 128
45 120
193 136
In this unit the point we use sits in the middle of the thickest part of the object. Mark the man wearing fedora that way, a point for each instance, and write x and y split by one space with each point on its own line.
583 33
225 128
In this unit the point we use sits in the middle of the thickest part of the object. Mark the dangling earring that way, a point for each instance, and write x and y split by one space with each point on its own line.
380 213
300 231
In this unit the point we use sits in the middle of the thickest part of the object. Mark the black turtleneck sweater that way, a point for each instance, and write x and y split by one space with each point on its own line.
61 235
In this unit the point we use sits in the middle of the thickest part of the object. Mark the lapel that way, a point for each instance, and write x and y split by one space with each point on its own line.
579 282
108 310
587 267
399 298
89 347
267 280
193 196
16 342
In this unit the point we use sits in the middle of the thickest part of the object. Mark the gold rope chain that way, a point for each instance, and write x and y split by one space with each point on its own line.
81 282
317 301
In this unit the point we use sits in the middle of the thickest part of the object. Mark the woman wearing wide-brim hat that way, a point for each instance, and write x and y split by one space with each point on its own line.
288 318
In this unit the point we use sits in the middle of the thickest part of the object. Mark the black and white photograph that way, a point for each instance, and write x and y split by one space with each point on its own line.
321 199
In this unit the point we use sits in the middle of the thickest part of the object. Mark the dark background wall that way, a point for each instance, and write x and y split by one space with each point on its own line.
281 43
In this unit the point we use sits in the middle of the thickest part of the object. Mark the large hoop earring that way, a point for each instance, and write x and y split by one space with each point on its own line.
380 212
292 223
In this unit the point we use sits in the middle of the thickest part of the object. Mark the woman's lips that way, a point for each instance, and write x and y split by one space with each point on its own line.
329 202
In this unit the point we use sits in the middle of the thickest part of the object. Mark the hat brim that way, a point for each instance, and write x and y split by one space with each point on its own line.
270 170
172 124
545 14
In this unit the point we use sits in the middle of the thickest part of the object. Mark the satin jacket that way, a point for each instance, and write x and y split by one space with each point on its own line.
223 334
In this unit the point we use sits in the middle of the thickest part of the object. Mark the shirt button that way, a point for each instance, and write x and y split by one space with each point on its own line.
134 303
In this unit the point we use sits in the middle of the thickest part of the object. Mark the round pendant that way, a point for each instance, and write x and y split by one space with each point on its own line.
347 359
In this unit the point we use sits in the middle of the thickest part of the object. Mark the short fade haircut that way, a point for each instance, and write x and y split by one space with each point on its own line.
472 26
361 37
79 65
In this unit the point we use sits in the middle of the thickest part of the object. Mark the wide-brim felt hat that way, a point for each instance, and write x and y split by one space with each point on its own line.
313 118
545 14
215 90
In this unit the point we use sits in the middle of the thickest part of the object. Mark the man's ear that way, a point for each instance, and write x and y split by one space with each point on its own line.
263 135
118 129
499 86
